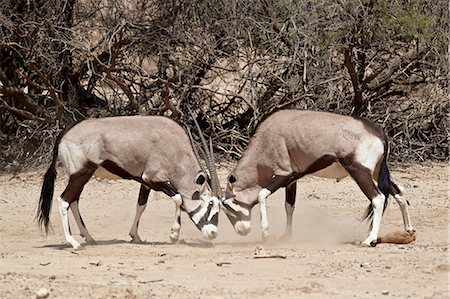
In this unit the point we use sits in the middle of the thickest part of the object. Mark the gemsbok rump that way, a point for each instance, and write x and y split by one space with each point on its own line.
293 143
152 150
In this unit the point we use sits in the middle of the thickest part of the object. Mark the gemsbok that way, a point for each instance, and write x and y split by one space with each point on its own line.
290 144
152 150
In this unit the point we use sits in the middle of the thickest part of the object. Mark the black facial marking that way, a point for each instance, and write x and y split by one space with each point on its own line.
215 219
239 214
196 195
208 211
201 223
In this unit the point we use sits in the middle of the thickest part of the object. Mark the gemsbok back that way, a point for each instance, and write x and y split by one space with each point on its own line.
152 150
290 144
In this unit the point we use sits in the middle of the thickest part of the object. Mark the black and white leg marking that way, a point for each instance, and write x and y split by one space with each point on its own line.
175 230
70 195
275 184
377 204
140 207
363 177
289 205
63 210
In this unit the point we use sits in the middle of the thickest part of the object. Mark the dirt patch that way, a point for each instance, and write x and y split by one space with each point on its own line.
322 260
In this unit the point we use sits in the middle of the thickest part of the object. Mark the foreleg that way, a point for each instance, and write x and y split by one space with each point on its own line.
175 231
140 207
275 184
289 206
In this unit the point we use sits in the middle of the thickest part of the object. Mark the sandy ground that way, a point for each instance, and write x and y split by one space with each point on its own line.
322 260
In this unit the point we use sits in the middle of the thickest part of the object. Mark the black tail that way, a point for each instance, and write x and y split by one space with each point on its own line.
45 200
384 185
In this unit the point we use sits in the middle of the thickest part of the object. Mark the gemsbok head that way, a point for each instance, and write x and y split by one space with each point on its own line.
152 150
290 144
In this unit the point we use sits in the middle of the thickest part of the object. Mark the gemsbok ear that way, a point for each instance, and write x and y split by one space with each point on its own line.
201 178
232 178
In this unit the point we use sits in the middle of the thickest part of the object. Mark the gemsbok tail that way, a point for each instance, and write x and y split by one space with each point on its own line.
384 185
45 200
48 185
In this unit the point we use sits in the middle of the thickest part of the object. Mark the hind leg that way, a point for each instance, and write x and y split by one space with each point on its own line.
289 206
377 206
140 207
80 223
363 177
397 192
70 195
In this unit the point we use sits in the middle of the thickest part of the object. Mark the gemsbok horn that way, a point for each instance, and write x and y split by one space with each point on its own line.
152 150
290 144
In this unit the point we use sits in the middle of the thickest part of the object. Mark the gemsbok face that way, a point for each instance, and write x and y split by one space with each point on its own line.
293 143
152 150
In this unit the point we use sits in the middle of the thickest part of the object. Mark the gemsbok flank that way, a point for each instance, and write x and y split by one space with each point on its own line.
290 144
152 150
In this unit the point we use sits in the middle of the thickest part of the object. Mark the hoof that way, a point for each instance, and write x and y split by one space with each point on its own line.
364 244
411 232
78 248
369 243
75 244
174 238
136 240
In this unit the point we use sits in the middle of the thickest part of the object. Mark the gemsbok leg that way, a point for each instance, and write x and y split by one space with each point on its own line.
144 192
70 195
363 177
289 205
169 190
80 223
276 183
175 230
397 192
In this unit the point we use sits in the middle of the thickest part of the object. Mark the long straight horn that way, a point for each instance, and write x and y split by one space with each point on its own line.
194 146
214 176
215 185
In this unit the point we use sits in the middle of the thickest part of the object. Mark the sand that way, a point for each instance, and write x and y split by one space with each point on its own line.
323 260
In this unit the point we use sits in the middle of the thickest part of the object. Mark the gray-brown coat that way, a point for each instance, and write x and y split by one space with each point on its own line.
154 151
293 143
